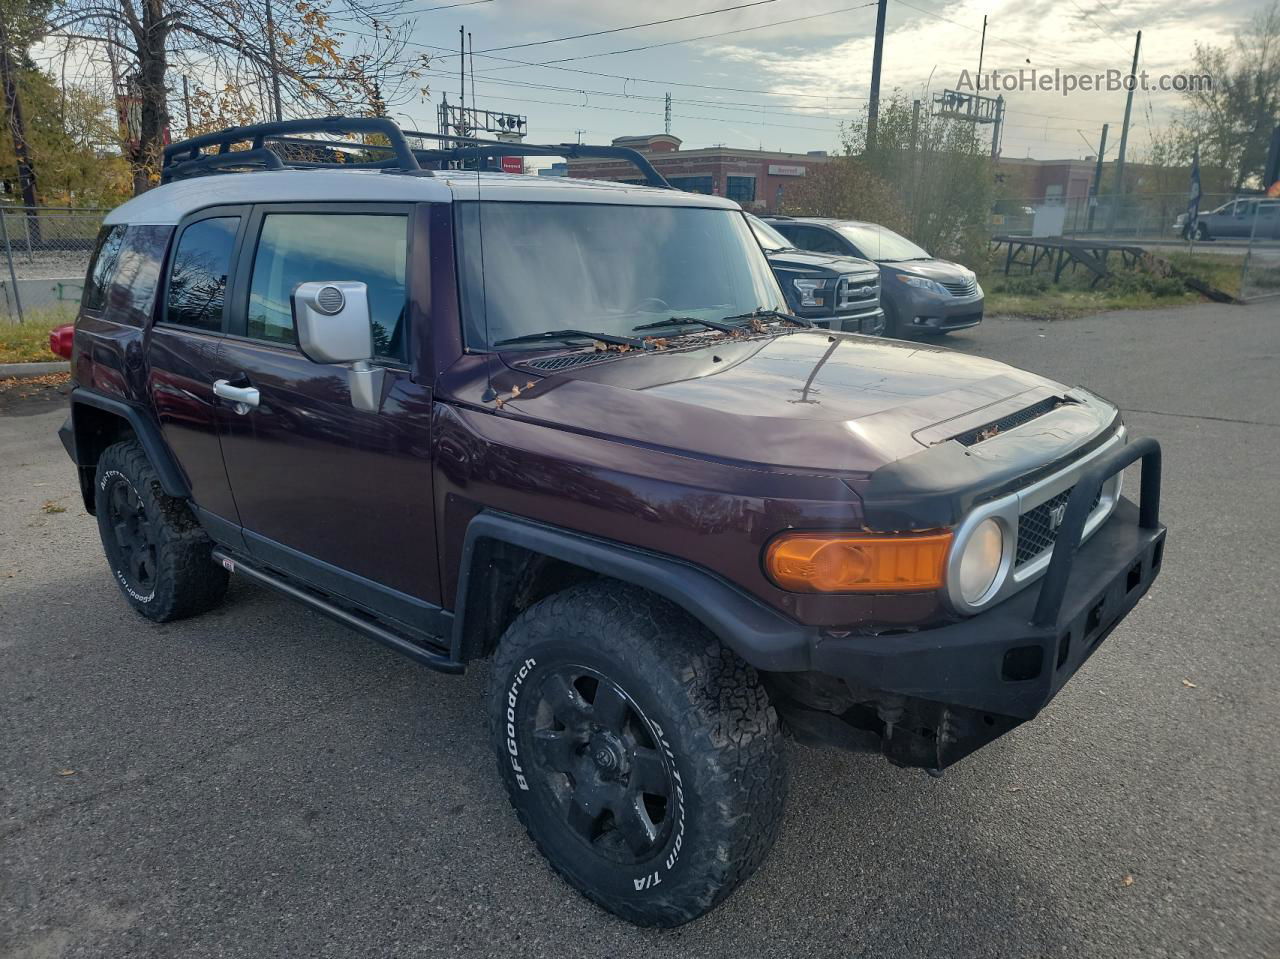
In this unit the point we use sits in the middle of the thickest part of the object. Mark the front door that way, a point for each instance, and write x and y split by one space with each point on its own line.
183 358
332 495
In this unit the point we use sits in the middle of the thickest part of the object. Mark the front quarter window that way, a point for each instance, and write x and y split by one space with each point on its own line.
532 267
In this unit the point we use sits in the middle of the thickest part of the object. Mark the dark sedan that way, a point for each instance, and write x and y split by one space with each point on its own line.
920 294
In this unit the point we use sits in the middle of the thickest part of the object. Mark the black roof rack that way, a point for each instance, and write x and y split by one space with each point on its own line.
294 150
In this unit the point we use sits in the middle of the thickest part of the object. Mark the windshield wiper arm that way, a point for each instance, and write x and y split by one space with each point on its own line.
776 314
687 321
630 341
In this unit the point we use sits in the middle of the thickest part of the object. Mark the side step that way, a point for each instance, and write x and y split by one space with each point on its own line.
404 647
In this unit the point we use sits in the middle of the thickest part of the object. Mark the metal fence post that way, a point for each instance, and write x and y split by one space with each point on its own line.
13 275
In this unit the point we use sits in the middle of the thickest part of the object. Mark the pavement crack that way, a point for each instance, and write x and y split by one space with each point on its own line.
1198 416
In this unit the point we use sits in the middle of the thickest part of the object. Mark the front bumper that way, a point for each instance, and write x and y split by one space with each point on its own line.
961 685
924 312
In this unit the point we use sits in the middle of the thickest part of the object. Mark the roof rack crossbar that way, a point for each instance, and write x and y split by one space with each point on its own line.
185 169
259 132
187 158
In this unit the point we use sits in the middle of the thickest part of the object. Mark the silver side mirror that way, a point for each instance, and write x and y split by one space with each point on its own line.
332 322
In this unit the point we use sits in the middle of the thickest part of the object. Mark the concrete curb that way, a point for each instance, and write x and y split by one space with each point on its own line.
8 370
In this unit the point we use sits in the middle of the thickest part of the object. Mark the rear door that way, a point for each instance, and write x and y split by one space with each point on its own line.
333 495
183 357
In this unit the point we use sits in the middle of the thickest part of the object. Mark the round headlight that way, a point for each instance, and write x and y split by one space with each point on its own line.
980 561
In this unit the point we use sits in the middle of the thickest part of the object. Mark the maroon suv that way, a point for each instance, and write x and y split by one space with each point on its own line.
571 426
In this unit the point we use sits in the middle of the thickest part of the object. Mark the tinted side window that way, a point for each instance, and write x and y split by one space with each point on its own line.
198 279
131 292
103 266
819 241
298 248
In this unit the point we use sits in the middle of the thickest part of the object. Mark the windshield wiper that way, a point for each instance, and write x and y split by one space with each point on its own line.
776 314
687 321
630 341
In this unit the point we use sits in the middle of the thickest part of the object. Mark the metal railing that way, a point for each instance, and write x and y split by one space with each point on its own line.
46 253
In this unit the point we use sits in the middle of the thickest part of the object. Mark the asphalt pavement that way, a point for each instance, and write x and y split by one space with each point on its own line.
259 782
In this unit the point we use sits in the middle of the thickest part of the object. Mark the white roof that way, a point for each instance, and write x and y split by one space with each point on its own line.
167 204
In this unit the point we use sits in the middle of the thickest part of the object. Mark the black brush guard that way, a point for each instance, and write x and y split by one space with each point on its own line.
969 682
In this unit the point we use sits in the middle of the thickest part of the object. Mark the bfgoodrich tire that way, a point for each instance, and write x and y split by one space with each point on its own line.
641 755
159 555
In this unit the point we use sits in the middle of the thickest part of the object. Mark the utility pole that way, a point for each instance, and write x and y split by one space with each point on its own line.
1097 177
668 114
1124 134
186 104
13 106
462 78
915 160
982 47
873 107
275 67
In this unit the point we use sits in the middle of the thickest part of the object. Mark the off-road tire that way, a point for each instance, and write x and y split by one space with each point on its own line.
710 722
177 578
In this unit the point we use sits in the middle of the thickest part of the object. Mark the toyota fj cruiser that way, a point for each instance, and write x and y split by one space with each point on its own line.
571 426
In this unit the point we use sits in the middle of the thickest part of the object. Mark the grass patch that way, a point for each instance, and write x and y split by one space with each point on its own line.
1038 297
29 342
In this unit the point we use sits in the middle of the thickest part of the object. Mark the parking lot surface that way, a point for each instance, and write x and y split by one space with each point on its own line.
259 782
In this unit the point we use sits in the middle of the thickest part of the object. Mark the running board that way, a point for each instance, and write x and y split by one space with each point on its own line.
404 647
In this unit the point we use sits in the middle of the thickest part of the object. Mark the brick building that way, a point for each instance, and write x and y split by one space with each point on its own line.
757 179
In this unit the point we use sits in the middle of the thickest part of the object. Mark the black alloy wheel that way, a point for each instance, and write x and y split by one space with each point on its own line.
595 752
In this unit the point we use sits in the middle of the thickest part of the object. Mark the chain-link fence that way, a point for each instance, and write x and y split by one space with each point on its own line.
1234 246
45 253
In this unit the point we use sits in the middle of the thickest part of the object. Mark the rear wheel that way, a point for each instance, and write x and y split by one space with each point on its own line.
158 553
641 755
1202 232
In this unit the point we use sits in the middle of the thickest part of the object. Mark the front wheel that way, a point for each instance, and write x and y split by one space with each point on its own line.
641 755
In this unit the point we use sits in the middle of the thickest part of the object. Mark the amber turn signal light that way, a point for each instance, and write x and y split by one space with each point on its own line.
850 563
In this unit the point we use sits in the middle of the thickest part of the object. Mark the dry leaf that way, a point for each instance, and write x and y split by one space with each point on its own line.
51 507
599 346
498 401
515 391
1189 684
66 772
1015 789
529 385
1127 880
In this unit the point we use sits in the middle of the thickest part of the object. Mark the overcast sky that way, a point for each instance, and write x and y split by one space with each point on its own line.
788 85
821 66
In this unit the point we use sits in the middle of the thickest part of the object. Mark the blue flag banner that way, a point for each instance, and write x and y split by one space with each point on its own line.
1193 200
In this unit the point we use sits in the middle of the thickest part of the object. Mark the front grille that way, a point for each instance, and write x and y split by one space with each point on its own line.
550 364
996 427
1036 529
961 287
854 292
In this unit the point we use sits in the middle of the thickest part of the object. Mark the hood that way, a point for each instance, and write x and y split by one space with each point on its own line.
944 271
805 261
808 400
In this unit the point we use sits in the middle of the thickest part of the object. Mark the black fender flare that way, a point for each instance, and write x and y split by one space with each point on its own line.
172 479
759 634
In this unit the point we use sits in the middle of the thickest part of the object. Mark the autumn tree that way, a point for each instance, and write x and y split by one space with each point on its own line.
929 178
251 59
1231 121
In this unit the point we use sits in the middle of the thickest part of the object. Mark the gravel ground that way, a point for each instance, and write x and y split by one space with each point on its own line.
258 782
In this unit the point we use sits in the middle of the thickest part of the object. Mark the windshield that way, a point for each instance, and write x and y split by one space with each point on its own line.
877 243
770 239
527 268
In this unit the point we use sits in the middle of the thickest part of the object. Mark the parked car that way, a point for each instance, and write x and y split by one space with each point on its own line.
835 292
570 426
1247 217
920 294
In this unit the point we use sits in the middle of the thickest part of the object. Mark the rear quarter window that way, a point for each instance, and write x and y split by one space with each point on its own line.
124 275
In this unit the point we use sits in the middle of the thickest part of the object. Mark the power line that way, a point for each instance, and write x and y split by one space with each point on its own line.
708 36
634 26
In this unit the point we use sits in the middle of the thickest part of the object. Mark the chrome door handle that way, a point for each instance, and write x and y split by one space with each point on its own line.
244 397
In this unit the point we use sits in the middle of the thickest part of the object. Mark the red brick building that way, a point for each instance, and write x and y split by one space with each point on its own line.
757 179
